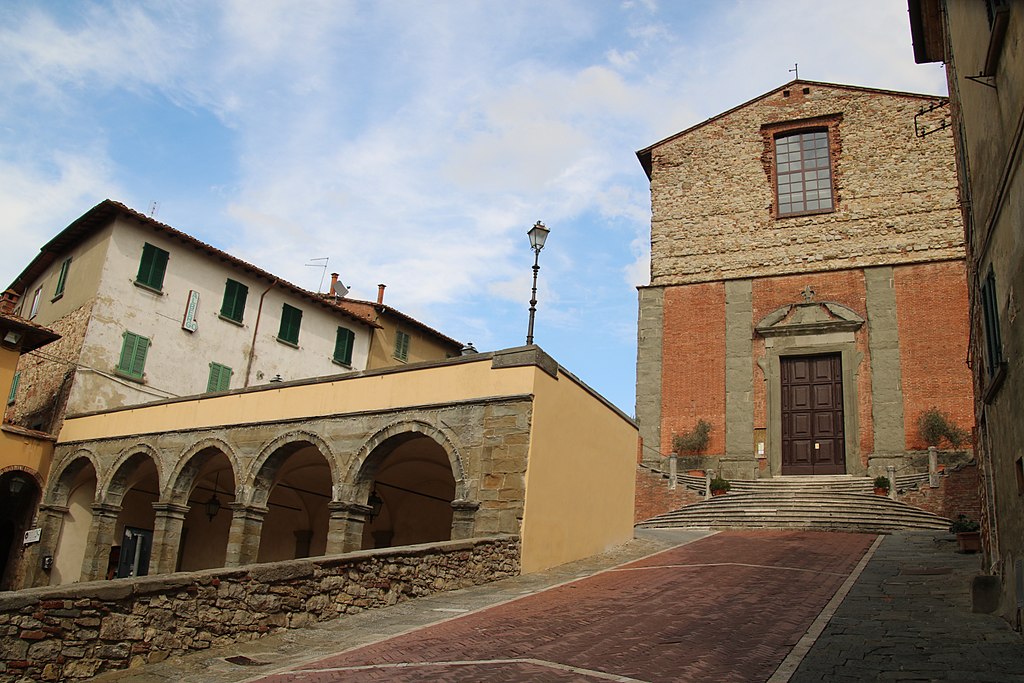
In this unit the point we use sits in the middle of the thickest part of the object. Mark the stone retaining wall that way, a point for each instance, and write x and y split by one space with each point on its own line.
78 630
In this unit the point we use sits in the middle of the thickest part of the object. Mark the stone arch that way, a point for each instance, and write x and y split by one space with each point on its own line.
26 470
112 488
58 486
187 467
363 467
256 485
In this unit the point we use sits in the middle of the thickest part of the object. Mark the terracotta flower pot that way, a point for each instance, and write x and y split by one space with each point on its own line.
717 492
970 541
881 491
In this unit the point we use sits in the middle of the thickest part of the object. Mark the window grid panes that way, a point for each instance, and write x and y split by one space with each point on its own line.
35 303
343 346
990 314
803 173
291 319
152 267
132 362
233 307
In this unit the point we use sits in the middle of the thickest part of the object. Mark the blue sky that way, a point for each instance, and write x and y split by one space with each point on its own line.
413 143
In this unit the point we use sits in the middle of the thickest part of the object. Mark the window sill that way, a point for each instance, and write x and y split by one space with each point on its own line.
347 366
994 382
401 360
148 288
800 214
294 345
131 378
230 320
57 297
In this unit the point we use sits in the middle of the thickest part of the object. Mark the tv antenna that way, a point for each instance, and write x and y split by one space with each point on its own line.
795 70
322 266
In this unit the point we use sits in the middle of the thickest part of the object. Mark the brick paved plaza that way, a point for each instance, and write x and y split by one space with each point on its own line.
727 607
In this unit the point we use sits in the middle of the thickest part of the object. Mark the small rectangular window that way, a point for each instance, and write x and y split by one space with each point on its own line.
35 303
343 346
803 174
233 307
14 388
152 267
133 356
401 345
62 279
220 378
990 316
291 319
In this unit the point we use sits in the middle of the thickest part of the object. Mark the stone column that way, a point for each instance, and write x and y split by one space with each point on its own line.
244 536
890 472
100 540
739 461
933 467
170 517
345 527
50 521
464 518
673 468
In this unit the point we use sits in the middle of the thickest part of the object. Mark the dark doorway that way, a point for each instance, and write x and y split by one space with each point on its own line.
813 441
136 546
19 495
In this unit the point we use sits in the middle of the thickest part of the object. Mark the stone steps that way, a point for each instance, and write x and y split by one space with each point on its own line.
789 507
838 483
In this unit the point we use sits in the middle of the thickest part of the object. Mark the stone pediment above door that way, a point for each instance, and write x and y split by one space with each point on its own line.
808 318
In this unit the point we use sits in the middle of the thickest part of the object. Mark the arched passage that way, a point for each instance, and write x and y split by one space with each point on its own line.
134 487
74 490
295 485
19 496
411 483
205 485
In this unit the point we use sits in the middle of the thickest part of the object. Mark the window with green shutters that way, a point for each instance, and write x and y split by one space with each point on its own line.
133 356
401 345
990 317
14 388
233 307
343 346
62 278
220 378
152 267
291 318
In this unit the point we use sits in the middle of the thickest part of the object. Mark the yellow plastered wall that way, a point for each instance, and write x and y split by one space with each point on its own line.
580 479
424 386
17 449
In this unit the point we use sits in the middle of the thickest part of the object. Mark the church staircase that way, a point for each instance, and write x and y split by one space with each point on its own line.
827 503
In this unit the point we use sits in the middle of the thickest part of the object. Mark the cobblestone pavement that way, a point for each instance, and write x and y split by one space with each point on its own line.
693 613
908 618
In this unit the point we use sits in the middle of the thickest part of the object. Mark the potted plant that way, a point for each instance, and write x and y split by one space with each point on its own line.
968 533
720 486
881 485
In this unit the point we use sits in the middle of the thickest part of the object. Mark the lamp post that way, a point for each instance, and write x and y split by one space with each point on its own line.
538 234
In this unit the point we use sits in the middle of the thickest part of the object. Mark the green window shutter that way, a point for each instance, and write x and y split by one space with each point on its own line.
220 378
152 267
14 388
233 307
133 355
401 345
343 345
62 278
291 319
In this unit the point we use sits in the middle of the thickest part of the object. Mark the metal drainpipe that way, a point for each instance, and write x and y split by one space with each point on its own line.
256 328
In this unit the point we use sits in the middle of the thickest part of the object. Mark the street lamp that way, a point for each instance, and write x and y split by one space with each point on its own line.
538 234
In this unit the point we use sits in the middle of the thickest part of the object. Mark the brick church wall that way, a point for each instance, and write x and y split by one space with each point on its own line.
958 493
931 302
653 496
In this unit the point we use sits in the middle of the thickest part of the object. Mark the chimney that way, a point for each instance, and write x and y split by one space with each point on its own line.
8 301
380 293
334 283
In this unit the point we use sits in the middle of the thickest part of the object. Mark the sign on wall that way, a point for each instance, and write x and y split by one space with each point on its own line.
33 535
189 323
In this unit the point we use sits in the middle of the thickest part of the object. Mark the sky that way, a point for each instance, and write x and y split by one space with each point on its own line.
409 142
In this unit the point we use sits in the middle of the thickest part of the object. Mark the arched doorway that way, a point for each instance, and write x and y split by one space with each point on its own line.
135 486
75 489
412 491
296 481
19 496
207 486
